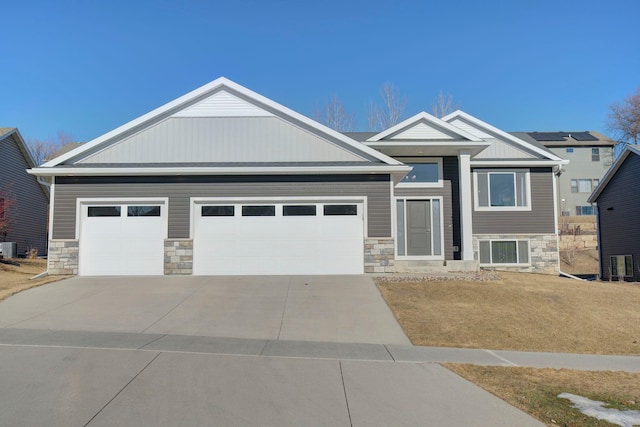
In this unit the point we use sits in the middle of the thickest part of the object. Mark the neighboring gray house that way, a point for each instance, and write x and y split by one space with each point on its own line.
225 181
617 203
29 199
590 154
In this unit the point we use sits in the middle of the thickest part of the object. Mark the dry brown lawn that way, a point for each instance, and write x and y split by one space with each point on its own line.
584 262
14 279
526 312
535 391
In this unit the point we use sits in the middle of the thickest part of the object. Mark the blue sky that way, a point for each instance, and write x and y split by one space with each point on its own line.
88 66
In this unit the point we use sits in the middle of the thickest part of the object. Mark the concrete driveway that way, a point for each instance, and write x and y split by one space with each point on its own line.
227 351
314 308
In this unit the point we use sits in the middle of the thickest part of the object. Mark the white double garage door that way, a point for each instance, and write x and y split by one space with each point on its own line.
248 237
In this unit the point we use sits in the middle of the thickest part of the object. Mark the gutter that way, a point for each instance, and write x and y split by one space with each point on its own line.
571 276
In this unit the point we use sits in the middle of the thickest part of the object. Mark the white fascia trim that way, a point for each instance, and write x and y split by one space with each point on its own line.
427 144
509 163
303 170
429 118
503 134
210 87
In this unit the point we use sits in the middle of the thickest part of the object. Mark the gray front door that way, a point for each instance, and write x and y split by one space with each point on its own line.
418 227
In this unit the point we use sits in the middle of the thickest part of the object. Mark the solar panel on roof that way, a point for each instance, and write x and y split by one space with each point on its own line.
583 136
548 136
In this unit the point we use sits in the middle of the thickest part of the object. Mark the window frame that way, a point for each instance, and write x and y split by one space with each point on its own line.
409 161
500 264
250 210
527 181
345 206
146 214
118 207
595 154
626 258
580 209
227 214
296 210
575 185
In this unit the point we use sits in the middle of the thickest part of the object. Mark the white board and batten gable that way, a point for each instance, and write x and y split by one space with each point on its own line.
221 123
504 146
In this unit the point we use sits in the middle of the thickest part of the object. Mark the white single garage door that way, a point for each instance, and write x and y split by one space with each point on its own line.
278 238
120 239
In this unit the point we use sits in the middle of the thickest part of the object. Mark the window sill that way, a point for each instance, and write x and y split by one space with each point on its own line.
504 209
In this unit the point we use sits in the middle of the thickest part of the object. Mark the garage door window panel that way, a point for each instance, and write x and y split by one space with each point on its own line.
261 210
299 210
143 210
103 211
340 210
219 210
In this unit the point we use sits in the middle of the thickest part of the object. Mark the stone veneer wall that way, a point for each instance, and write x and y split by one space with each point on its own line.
543 251
379 255
63 257
178 256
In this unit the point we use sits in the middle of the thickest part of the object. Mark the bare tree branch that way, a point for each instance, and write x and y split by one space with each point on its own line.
443 105
624 119
335 115
389 113
43 151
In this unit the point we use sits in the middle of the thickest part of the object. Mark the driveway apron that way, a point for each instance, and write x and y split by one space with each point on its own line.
303 308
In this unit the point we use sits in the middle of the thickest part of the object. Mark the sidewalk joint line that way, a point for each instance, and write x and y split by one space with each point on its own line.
344 389
122 389
507 361
284 309
390 355
151 342
173 308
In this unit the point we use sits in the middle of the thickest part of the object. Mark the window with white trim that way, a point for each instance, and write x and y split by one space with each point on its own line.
622 265
583 185
595 154
426 172
504 252
502 190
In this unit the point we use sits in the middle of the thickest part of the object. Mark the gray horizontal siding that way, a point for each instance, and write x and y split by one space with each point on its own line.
179 190
539 220
450 201
619 228
29 213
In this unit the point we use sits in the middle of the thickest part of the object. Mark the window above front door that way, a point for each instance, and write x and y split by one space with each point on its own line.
426 172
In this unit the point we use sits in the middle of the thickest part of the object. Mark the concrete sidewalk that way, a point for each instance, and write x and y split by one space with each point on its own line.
311 350
99 387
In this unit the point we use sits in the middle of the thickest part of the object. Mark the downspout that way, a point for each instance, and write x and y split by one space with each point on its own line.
599 237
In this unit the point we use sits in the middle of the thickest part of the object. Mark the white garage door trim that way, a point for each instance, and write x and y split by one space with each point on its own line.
130 243
282 257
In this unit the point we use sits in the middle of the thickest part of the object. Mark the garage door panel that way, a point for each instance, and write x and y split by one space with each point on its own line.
295 244
122 245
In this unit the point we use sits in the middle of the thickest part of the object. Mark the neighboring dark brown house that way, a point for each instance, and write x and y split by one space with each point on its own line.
28 198
617 200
